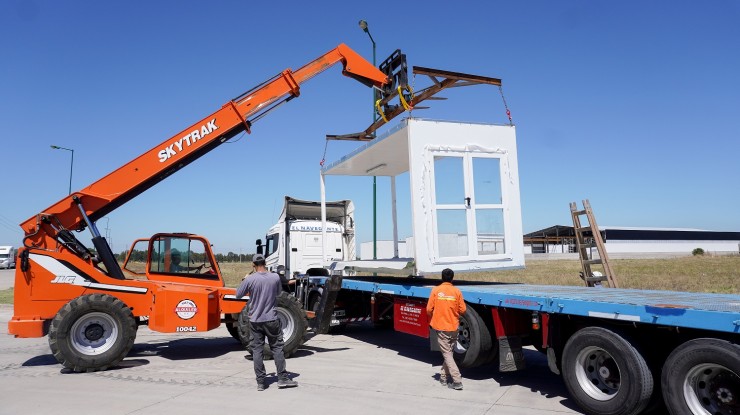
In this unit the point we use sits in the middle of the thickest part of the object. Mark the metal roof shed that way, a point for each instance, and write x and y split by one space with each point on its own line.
464 181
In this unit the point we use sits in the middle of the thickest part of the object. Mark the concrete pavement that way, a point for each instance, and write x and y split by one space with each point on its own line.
361 371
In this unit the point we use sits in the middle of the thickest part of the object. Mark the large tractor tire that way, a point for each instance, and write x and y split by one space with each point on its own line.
702 376
292 320
605 374
232 326
474 345
92 332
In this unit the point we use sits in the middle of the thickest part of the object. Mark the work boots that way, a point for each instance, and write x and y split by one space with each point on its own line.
286 383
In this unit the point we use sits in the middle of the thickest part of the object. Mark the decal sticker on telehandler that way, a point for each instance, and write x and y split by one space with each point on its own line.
188 139
186 309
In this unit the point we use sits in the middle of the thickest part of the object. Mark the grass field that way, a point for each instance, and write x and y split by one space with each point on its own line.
6 296
713 274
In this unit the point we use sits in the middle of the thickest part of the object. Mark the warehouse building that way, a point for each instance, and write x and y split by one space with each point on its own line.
560 239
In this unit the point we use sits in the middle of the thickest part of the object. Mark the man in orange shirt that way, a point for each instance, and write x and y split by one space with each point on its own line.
444 308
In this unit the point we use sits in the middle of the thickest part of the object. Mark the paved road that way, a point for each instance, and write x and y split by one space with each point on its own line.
362 371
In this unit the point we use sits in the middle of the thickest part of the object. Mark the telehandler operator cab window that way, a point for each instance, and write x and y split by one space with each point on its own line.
179 255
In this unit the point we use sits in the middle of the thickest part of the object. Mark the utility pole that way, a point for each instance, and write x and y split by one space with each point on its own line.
363 26
72 162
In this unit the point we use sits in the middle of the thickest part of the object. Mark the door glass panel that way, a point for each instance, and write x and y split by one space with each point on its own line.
137 260
452 232
449 185
487 180
490 231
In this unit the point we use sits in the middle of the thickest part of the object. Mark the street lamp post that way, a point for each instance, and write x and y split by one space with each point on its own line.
71 164
363 26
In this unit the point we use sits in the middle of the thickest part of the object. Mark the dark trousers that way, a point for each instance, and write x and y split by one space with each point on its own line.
274 334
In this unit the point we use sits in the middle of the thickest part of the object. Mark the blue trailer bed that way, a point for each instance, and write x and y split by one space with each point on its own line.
720 312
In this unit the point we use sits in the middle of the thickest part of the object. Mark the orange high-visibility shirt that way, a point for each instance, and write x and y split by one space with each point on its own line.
444 307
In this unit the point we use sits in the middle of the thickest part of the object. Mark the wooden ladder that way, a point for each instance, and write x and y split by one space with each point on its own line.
590 278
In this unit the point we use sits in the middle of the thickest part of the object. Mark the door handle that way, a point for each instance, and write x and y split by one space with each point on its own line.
467 201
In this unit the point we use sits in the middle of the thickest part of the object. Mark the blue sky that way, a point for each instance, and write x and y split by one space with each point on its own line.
631 104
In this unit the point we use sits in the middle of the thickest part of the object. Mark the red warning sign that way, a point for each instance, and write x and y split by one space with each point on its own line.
410 316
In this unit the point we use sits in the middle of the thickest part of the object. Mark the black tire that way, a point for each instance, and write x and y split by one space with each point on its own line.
605 374
92 332
232 326
292 319
474 346
702 376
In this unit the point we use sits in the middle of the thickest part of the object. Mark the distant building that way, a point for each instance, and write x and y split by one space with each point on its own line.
384 250
629 240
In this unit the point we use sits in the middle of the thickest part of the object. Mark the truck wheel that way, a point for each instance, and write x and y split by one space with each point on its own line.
474 345
605 374
702 376
92 332
292 319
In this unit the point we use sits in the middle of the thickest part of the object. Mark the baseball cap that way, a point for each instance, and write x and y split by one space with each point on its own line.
258 257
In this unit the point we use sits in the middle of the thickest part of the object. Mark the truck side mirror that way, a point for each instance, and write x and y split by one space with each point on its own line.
259 246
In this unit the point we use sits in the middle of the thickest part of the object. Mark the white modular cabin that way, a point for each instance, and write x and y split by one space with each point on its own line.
464 188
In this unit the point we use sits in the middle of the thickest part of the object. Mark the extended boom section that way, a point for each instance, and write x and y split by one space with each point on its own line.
164 159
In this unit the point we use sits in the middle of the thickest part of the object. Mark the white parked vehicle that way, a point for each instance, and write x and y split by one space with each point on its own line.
7 257
295 244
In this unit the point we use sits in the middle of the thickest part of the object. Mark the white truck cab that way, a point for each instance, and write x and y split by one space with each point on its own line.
7 257
295 244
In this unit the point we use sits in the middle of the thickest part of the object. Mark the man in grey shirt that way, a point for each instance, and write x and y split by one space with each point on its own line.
263 288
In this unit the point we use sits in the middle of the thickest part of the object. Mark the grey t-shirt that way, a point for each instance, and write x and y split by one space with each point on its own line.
263 289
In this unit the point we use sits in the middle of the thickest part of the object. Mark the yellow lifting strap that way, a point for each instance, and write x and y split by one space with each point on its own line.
405 104
380 110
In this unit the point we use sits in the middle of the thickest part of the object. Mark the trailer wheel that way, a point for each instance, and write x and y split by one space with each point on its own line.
605 374
474 345
92 332
292 319
702 376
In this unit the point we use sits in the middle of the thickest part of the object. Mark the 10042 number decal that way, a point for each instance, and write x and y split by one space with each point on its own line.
185 328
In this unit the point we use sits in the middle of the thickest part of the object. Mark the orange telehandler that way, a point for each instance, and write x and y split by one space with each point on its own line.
82 299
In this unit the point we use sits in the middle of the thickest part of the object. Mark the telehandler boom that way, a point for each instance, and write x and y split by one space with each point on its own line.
81 297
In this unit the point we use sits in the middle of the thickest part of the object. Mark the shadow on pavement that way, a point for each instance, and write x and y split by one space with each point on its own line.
537 377
43 360
191 348
406 345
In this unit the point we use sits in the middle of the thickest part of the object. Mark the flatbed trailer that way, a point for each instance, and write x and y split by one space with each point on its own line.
612 346
619 351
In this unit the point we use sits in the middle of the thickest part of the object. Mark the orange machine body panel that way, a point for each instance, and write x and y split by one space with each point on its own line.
55 278
181 308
